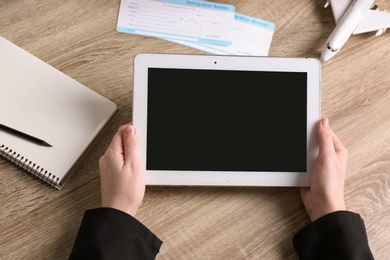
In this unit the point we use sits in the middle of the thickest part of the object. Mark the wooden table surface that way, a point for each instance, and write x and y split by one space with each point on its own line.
79 39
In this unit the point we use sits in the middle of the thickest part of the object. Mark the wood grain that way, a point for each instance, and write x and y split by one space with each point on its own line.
79 38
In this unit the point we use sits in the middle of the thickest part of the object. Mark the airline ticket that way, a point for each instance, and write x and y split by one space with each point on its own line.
186 20
251 37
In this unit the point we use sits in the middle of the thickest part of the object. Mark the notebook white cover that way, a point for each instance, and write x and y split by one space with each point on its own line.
40 100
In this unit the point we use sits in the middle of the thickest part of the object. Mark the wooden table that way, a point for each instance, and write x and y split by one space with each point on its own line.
79 38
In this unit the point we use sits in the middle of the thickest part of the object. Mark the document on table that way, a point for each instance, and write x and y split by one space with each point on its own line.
194 21
207 26
251 37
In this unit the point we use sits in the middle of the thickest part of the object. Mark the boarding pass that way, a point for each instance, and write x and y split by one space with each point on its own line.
251 37
187 20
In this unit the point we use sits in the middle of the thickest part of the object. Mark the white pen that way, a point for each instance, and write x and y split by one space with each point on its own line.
353 17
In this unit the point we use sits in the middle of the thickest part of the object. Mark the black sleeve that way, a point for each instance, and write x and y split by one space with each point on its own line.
338 235
107 233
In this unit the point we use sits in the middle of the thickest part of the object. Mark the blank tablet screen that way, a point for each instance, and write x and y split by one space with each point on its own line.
218 120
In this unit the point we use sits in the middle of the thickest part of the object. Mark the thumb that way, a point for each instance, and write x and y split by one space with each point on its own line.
325 138
130 143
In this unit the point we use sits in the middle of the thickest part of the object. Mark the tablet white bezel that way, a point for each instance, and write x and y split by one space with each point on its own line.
144 61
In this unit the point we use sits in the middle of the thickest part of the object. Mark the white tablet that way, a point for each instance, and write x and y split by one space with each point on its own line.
226 120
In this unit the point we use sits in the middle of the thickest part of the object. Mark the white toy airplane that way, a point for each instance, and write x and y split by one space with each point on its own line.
353 17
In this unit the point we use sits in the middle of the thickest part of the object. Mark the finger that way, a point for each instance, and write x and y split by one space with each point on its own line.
338 146
116 142
130 144
325 137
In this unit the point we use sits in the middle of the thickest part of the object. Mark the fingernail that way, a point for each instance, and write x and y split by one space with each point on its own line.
130 130
325 122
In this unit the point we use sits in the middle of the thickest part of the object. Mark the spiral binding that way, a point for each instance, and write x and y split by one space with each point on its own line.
29 167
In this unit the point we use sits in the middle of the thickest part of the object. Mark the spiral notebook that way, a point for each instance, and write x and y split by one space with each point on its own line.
43 102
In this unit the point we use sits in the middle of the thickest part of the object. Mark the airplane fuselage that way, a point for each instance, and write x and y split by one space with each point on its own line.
345 27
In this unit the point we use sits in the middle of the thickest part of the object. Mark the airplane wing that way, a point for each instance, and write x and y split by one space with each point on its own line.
339 7
373 21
